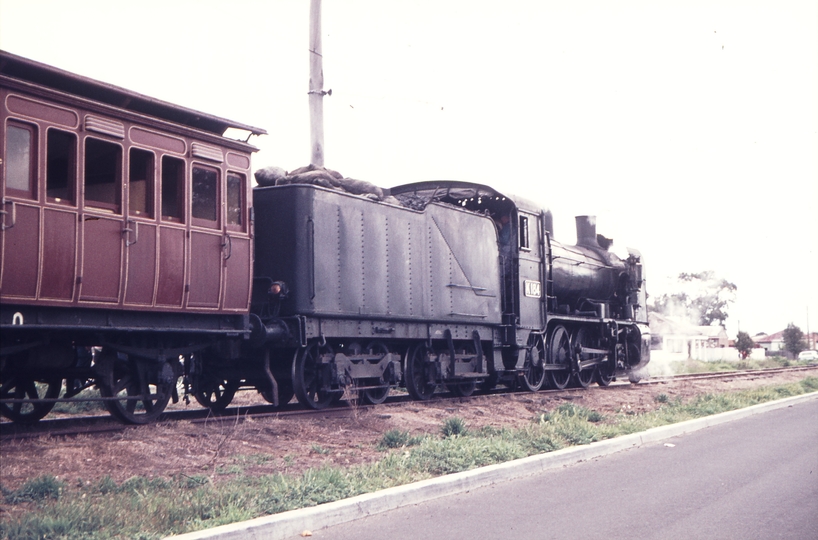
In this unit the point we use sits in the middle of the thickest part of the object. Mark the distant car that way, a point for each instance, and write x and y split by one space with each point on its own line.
808 355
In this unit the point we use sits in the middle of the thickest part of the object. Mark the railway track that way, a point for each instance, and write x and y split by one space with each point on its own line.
85 425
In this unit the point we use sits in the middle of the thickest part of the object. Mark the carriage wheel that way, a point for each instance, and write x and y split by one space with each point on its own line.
306 377
534 371
417 382
20 387
559 353
285 392
143 390
216 394
281 367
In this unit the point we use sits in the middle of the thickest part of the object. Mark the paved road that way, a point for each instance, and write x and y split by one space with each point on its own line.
752 478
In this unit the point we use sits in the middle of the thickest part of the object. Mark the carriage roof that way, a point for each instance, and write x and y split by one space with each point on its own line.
29 71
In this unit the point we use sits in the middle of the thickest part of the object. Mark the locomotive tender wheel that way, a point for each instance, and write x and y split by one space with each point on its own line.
463 389
215 394
21 387
534 372
128 379
375 396
306 376
490 382
417 381
559 353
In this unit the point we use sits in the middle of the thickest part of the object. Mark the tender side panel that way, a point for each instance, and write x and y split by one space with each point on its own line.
364 259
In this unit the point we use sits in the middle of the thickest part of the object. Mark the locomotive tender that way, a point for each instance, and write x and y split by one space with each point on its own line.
133 252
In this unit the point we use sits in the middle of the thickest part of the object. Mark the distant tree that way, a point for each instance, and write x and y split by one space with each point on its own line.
744 344
794 339
703 298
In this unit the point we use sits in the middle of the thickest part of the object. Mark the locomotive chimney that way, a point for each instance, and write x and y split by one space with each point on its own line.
586 231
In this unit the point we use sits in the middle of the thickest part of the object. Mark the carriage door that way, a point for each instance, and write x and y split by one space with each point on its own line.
238 250
103 219
207 244
20 213
531 282
140 231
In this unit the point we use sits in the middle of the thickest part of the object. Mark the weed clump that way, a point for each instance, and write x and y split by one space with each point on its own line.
395 438
453 427
37 489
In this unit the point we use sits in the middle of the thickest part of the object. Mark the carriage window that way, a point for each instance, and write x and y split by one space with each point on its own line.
103 177
204 205
524 240
21 161
235 198
173 189
140 183
60 172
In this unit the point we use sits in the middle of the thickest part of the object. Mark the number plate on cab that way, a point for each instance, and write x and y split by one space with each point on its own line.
533 289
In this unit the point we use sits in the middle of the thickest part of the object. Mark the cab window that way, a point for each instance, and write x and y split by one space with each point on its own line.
525 243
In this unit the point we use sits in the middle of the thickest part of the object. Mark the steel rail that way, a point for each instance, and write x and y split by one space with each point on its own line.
79 425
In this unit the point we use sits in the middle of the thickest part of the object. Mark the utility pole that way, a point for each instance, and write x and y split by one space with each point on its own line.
316 92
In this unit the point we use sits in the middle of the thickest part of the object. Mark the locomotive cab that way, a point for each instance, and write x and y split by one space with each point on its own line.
521 235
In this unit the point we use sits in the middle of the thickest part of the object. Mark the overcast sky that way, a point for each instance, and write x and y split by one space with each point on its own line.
689 128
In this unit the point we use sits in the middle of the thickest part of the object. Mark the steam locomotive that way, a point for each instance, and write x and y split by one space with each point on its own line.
136 258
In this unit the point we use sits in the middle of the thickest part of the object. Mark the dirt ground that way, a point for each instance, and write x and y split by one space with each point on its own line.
291 444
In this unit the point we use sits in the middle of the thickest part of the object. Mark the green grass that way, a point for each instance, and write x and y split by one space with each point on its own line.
681 367
148 508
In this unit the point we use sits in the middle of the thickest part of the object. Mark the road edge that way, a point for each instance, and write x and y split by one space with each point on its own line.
292 523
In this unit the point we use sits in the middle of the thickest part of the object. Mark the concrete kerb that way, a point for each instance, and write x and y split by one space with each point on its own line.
290 524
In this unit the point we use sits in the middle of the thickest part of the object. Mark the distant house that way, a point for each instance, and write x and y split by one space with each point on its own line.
673 339
774 345
771 343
